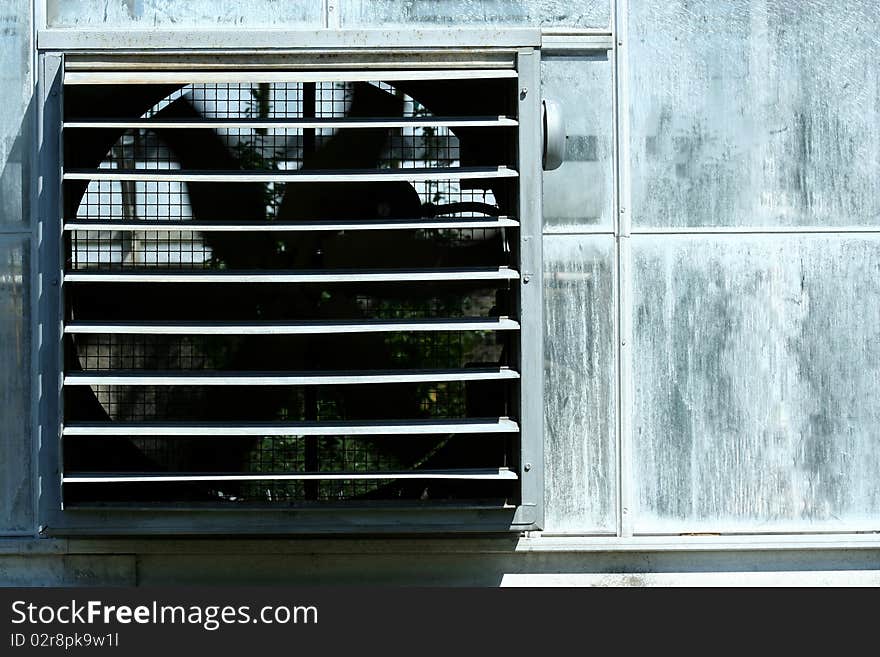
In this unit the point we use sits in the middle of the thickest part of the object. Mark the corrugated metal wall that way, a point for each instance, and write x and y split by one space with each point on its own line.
735 254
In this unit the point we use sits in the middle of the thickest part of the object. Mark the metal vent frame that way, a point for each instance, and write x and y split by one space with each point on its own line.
517 50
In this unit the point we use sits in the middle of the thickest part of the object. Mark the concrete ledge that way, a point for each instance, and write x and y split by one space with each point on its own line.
503 545
415 563
783 579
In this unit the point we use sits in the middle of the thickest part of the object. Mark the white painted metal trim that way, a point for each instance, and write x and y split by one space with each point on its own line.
329 176
235 77
282 227
290 328
329 276
375 58
378 428
488 473
299 124
183 378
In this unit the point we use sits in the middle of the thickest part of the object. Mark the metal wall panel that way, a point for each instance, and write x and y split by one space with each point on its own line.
15 111
443 13
756 379
192 13
578 195
580 454
754 112
754 369
16 492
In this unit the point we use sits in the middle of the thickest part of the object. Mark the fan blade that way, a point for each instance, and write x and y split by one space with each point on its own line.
477 146
205 150
86 149
353 149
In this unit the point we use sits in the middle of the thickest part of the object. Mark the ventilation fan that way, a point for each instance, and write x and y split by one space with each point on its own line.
295 289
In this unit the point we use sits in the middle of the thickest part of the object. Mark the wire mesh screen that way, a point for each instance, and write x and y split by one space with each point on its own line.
147 196
398 350
238 301
436 400
184 249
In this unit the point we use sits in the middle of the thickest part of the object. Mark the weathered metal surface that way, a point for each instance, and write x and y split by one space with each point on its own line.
577 13
356 45
530 402
173 13
15 111
754 370
579 437
756 378
749 112
16 482
578 195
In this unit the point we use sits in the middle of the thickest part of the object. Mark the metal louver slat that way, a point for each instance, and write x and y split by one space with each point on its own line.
463 474
290 328
300 226
382 175
496 274
278 77
386 122
144 378
384 428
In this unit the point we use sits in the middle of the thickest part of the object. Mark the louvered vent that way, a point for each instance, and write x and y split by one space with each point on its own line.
292 288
